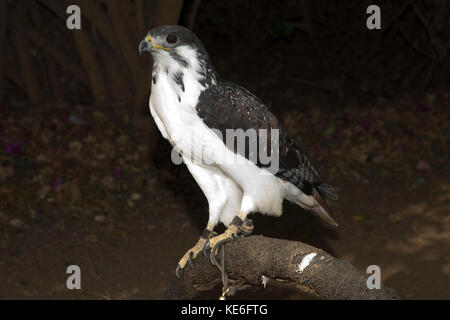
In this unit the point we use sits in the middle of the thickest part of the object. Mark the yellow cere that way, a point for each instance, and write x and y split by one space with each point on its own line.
148 38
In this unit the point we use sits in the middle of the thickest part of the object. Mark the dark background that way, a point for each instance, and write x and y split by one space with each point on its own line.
86 179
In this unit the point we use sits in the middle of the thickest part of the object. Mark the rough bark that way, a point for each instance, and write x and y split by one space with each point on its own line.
140 16
90 63
29 74
126 42
11 73
119 87
166 12
99 18
45 44
248 259
56 88
128 46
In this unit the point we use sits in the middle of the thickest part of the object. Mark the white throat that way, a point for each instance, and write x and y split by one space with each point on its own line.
176 87
185 75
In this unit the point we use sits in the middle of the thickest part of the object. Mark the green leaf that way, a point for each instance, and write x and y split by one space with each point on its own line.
330 130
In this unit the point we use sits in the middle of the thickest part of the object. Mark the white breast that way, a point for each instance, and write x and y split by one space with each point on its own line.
175 115
179 123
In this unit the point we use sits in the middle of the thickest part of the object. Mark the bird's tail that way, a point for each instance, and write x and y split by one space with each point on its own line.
320 194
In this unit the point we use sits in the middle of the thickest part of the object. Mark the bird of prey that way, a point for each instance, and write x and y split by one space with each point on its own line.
196 110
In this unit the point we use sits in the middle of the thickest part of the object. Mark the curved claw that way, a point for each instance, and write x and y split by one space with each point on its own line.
206 247
213 260
212 255
191 255
177 271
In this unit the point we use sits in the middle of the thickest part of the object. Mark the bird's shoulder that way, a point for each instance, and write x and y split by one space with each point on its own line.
230 106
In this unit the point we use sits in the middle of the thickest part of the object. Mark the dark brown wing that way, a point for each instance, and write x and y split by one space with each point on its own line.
228 106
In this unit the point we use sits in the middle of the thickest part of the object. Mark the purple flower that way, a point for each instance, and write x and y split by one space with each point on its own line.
366 125
57 185
378 134
347 117
13 149
409 132
117 173
316 151
338 132
423 108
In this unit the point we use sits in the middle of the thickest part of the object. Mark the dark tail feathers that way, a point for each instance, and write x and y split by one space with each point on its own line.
322 193
327 192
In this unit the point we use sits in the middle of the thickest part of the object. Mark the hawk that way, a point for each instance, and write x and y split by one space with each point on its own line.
195 110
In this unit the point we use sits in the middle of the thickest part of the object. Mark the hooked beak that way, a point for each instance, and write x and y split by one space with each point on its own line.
145 45
148 45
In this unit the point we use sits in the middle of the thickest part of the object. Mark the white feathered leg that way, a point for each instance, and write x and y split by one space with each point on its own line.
224 199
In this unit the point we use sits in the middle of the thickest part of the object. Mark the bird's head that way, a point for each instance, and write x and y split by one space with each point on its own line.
176 47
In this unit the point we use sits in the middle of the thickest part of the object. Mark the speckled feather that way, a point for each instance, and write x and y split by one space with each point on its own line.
229 106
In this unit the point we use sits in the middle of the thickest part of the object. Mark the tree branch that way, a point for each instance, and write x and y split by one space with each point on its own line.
248 259
127 44
29 74
140 16
42 42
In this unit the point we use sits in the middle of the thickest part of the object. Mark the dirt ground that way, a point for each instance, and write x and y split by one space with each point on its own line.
134 256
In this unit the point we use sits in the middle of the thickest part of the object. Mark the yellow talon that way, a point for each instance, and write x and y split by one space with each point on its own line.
190 255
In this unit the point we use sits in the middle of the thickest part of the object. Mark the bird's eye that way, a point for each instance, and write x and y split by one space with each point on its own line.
171 38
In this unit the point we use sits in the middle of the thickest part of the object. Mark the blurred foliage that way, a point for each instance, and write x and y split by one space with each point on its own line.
280 29
323 45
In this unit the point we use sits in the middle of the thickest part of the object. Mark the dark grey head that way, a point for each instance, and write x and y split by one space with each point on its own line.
175 44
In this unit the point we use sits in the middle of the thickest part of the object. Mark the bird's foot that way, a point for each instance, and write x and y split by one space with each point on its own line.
236 229
215 242
192 253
